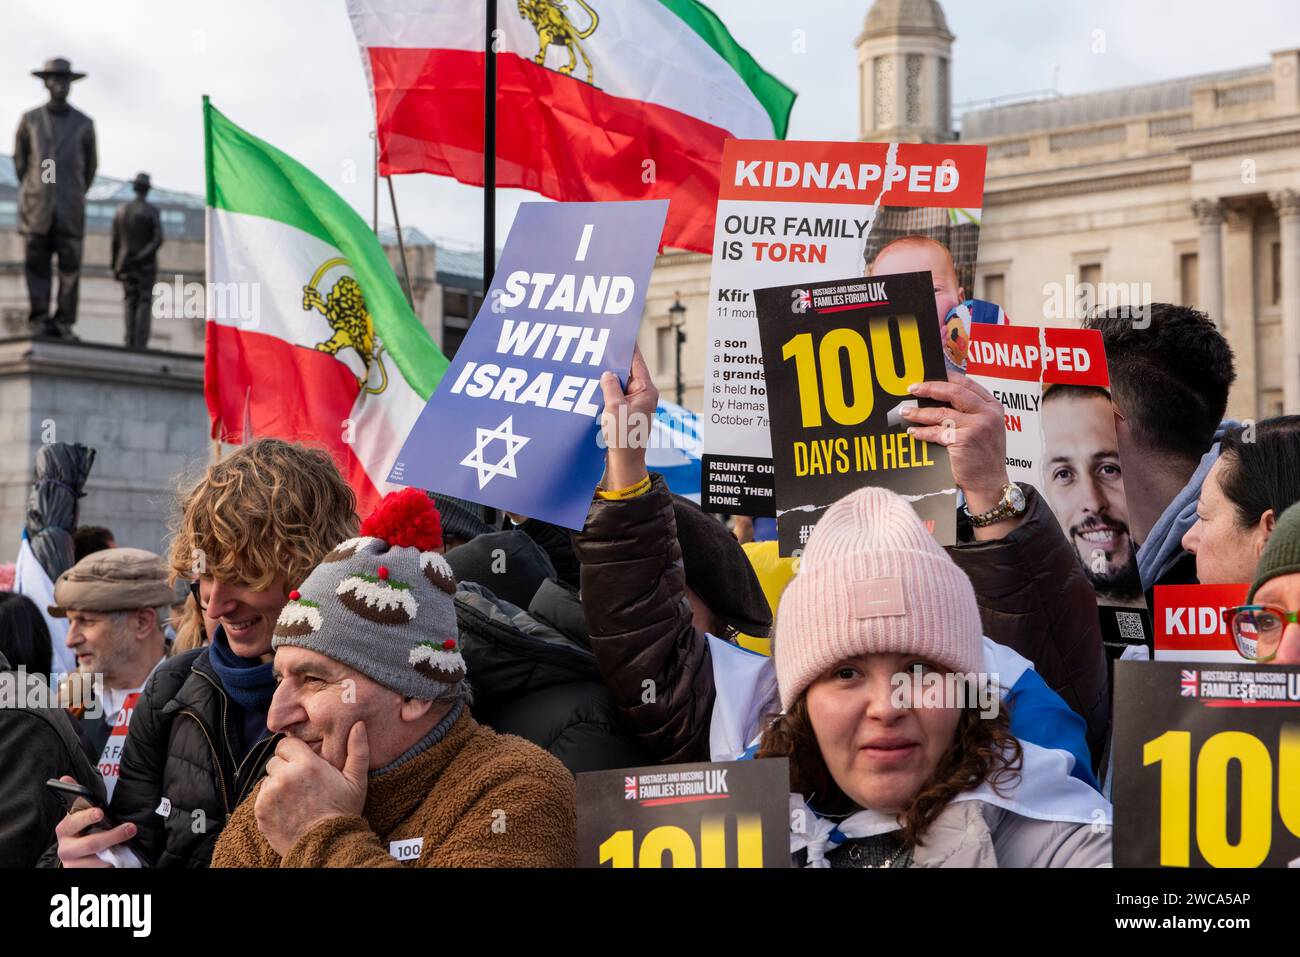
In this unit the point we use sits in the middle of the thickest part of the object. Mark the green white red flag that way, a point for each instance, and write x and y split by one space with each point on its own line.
309 337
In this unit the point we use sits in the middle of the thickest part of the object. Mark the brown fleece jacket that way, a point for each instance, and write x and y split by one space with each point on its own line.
477 798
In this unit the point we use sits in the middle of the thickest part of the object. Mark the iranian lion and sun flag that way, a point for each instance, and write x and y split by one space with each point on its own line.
597 101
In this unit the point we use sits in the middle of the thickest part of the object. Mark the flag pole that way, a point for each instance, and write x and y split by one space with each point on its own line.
374 193
489 146
401 245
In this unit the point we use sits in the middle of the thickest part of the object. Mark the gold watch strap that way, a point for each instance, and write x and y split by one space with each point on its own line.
1003 509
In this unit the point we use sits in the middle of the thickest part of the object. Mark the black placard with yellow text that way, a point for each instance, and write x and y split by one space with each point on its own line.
1207 764
838 358
710 814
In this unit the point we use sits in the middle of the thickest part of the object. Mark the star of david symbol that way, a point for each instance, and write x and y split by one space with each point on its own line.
506 466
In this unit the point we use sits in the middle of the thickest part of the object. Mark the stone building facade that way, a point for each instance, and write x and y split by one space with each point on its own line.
1184 191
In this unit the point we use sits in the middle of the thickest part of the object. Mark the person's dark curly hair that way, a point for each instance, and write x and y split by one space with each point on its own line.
1169 377
983 749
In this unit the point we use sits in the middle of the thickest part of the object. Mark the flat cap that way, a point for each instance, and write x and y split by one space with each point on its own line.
115 579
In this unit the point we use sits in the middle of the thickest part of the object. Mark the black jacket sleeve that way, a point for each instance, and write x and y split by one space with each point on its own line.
140 773
32 750
1035 598
654 662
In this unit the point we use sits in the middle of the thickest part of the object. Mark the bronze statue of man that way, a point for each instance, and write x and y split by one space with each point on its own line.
137 234
55 159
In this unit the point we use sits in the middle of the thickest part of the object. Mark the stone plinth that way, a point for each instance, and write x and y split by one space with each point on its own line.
142 412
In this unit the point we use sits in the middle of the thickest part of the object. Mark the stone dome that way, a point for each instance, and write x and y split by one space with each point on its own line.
892 17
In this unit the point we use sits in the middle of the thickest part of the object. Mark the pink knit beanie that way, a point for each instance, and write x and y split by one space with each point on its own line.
872 579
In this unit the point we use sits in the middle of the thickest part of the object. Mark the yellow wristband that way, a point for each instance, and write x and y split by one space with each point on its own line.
614 495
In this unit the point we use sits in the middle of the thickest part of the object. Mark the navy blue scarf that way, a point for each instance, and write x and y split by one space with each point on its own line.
248 681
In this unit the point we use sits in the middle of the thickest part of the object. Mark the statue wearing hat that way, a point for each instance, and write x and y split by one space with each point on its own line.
55 159
137 234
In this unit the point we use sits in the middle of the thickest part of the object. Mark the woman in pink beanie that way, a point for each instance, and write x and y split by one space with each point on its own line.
889 771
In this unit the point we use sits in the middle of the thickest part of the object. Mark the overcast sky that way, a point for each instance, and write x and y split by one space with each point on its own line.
289 71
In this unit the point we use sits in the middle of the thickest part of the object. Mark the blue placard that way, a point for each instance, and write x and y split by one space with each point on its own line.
515 420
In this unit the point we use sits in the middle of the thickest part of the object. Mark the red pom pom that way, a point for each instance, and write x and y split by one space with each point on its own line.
383 572
406 519
294 595
449 644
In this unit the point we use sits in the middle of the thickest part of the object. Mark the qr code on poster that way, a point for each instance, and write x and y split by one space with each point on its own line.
1130 626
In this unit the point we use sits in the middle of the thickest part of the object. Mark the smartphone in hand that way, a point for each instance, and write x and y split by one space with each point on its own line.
78 797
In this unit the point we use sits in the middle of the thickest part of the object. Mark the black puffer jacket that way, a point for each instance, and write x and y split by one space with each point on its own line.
179 748
1032 594
534 680
558 544
36 744
634 589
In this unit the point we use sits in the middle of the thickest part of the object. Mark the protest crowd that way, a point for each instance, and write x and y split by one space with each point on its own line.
913 585
318 688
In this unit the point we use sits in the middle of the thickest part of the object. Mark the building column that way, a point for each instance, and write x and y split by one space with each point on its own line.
1209 257
1239 308
1287 204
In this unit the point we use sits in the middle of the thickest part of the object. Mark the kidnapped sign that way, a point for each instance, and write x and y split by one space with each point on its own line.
515 420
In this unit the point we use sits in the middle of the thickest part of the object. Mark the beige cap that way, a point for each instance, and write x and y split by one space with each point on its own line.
115 579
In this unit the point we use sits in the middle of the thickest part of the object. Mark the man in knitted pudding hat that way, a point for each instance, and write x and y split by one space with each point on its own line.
381 764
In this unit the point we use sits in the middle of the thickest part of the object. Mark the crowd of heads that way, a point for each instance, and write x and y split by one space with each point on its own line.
268 553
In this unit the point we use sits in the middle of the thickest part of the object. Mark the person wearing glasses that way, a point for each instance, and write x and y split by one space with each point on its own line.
249 532
1267 628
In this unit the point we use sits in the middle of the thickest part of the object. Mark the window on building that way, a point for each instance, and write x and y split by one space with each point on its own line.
1189 280
459 306
995 289
455 302
664 350
883 82
1089 280
451 340
913 82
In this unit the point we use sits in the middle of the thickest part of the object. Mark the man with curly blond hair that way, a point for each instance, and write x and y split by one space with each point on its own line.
248 533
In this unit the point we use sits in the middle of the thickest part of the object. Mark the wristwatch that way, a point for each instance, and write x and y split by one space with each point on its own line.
1012 504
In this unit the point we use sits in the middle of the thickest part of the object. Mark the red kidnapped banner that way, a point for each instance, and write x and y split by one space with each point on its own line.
920 174
1031 354
1191 621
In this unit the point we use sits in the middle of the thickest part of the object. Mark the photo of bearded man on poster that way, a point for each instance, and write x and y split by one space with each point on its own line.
1084 486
